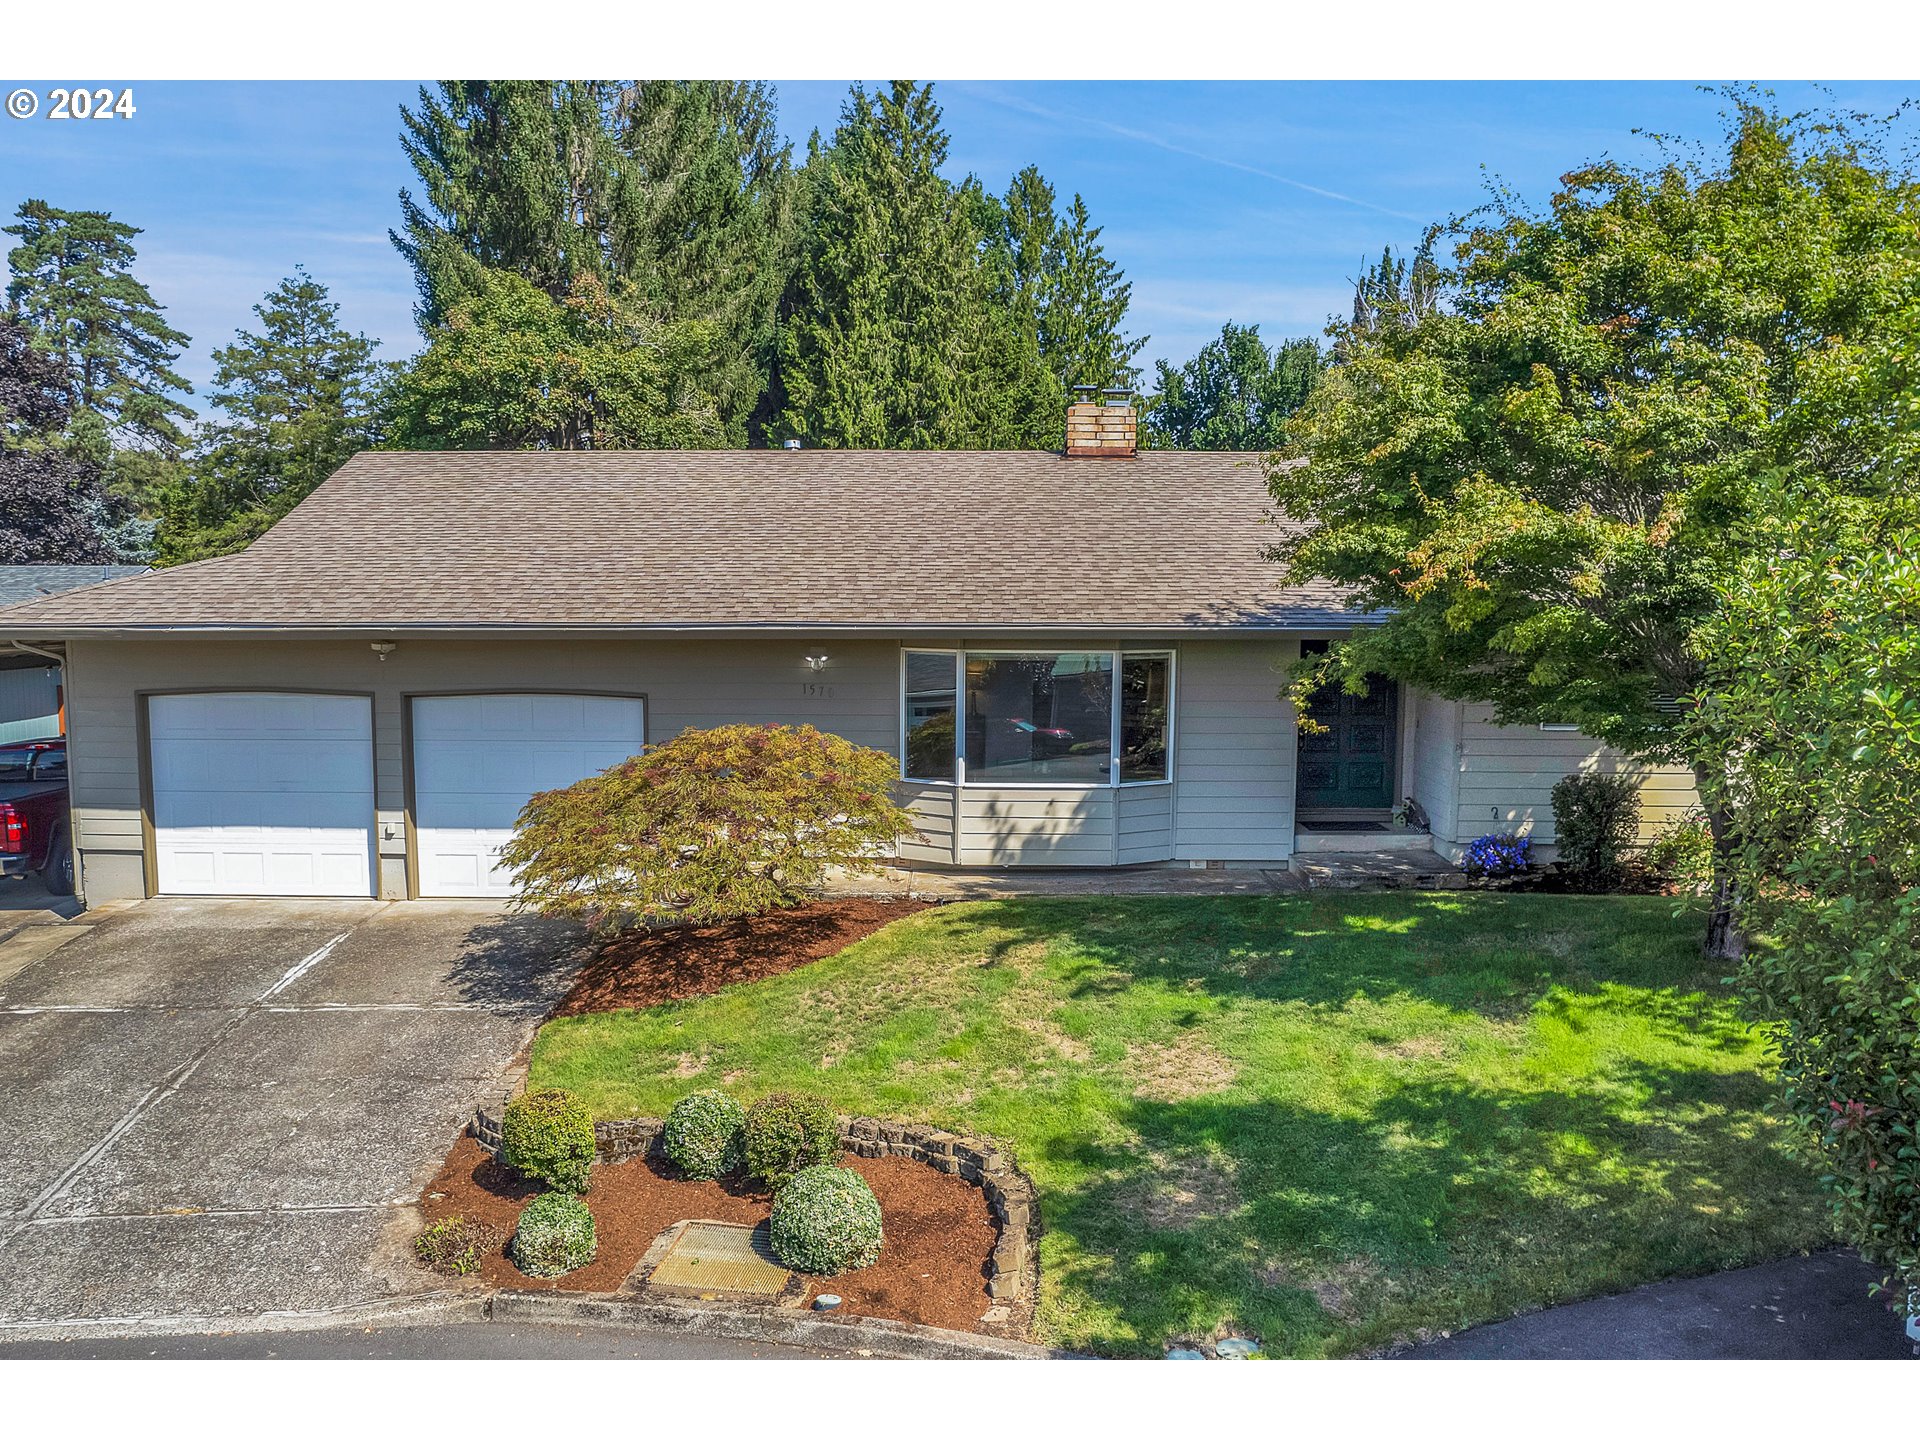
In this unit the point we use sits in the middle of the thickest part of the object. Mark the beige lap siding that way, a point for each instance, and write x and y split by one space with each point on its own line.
687 682
1476 778
1234 742
1234 751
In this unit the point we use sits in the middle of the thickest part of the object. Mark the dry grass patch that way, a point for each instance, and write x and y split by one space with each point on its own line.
1178 1192
1337 1289
1184 1070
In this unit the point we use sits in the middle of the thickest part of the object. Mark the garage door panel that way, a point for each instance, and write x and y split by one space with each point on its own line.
477 759
262 794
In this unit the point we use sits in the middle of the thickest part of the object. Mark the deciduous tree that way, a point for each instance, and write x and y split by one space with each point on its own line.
1540 480
52 503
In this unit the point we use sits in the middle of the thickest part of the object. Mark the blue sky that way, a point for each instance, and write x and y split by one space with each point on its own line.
1247 201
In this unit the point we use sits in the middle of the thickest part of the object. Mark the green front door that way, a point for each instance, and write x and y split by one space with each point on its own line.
1349 765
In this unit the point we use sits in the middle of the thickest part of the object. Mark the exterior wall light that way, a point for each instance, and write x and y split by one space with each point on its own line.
816 662
384 648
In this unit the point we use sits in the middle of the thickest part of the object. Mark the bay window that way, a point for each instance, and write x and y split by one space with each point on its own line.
1054 717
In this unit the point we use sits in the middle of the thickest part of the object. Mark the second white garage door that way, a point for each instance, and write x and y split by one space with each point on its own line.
478 758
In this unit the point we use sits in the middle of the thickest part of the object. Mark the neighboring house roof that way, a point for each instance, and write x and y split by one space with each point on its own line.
740 540
30 582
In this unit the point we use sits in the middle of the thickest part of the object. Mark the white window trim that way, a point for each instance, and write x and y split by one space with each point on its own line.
1113 780
1559 725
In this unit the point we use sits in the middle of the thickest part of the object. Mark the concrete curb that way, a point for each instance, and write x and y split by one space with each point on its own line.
863 1335
438 1305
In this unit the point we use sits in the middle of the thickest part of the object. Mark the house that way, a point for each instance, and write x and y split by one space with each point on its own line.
1077 657
30 696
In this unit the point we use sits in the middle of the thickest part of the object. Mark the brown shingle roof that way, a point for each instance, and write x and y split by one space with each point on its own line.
739 539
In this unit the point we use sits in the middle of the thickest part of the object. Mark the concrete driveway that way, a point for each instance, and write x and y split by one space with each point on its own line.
223 1110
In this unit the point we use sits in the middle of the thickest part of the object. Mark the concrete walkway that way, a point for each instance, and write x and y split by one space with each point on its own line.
902 883
454 1340
1806 1307
224 1110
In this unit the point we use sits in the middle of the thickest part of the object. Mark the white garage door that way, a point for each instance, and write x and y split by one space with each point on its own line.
262 794
478 758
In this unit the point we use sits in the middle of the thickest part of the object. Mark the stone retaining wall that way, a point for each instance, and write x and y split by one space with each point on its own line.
1009 1193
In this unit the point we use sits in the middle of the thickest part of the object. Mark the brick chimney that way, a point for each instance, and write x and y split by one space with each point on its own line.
1103 428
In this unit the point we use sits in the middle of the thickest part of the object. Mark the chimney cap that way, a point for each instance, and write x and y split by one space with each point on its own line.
1121 396
793 444
1086 392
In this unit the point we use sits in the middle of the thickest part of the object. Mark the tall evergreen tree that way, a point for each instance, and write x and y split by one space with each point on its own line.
1061 285
704 228
299 398
673 195
72 284
1235 394
893 335
516 175
52 503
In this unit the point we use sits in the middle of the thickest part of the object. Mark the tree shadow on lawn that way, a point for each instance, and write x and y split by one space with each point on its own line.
1444 1205
1492 954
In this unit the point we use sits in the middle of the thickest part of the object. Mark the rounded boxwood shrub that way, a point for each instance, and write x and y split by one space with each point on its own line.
555 1235
547 1135
825 1220
702 1134
785 1134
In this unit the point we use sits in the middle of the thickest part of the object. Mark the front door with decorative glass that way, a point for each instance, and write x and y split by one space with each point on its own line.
1348 765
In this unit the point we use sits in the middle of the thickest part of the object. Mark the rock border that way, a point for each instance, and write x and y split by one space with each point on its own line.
1010 1194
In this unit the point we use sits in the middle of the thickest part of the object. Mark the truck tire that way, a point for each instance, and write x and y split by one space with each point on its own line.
57 873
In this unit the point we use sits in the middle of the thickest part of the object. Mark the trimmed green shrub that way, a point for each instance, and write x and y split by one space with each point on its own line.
555 1235
703 1134
784 1134
1682 854
825 1220
1596 819
455 1245
547 1135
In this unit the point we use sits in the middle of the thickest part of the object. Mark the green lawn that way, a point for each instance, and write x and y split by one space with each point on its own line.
1335 1121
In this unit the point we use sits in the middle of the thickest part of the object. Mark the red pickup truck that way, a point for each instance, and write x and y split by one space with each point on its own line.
33 812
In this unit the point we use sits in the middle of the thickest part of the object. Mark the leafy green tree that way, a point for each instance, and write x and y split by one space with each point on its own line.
298 397
1541 482
892 335
513 369
73 285
1055 276
1235 394
52 502
1813 678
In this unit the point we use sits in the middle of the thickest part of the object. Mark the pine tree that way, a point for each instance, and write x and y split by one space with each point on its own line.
299 400
516 175
704 227
673 195
73 286
893 336
1056 278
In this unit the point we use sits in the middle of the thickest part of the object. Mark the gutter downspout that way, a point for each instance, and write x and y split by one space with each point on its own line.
53 655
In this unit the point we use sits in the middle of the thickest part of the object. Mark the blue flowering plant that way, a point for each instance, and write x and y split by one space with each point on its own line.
1494 856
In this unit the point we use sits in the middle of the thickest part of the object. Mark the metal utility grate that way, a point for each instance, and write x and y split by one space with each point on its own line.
710 1256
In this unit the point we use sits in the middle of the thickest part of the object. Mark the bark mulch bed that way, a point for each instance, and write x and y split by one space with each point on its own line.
648 967
934 1258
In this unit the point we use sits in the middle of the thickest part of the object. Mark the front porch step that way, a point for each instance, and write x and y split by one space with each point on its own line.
1382 870
1349 842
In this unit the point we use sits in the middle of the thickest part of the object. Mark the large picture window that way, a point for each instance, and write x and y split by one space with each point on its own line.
1074 717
